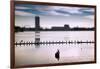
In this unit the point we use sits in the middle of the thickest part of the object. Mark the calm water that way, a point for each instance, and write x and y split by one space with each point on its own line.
45 54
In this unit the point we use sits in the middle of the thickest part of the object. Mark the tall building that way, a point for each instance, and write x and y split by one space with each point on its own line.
37 23
66 27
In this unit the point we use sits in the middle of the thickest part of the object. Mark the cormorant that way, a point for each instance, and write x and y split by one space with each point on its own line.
57 55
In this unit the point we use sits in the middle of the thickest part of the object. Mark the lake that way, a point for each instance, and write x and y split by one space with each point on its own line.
45 53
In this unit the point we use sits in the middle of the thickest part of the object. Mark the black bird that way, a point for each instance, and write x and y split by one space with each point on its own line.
57 55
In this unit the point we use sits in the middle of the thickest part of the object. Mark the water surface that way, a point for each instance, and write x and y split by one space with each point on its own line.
45 54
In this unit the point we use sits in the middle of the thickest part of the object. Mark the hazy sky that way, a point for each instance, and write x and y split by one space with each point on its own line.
53 16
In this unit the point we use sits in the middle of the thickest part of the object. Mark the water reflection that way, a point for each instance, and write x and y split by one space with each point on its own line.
37 39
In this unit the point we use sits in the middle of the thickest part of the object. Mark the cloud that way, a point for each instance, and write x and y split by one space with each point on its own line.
90 17
59 10
71 10
87 11
76 11
55 10
42 8
22 13
57 13
21 7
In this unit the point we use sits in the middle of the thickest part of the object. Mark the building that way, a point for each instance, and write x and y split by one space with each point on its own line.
37 23
66 27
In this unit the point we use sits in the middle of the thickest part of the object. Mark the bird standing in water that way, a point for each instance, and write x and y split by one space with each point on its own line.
57 55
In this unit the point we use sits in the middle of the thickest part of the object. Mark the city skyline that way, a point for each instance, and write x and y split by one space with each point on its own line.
49 21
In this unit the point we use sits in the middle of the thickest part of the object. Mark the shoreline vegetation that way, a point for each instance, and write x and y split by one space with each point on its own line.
54 28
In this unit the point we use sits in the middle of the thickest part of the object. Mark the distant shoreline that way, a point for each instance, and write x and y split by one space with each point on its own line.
54 28
55 31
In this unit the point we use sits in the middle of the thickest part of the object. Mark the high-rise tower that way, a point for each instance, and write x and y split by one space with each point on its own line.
37 23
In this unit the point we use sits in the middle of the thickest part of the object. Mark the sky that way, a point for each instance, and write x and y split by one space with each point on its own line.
53 16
